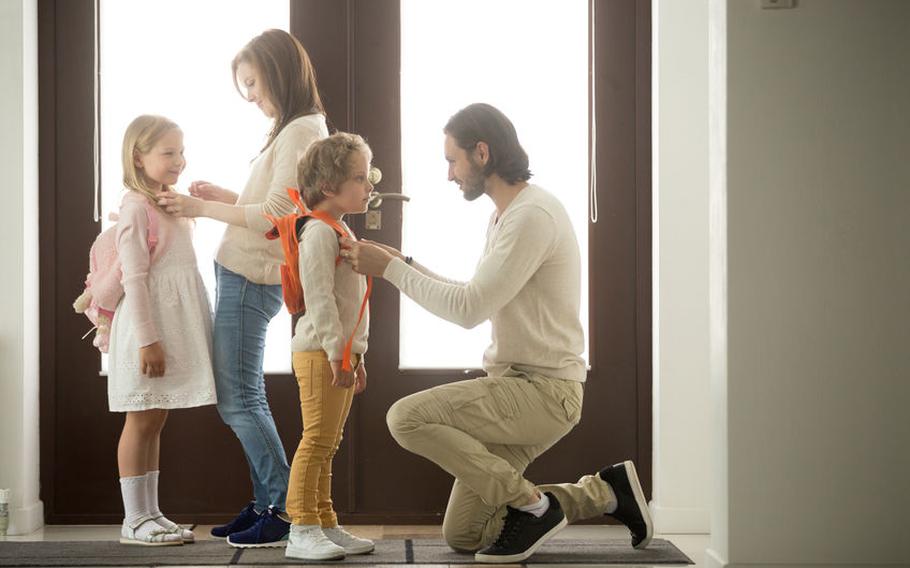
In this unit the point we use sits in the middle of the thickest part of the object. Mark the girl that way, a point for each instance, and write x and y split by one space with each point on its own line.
161 335
333 179
274 72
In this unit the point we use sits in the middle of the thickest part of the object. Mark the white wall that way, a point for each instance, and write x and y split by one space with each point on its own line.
681 374
817 199
18 256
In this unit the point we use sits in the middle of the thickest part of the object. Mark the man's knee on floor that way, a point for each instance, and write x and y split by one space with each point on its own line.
460 539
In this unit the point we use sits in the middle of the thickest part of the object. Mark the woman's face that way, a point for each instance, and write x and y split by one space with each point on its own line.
252 83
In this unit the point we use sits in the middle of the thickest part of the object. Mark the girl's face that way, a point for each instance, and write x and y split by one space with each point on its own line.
250 81
164 163
353 194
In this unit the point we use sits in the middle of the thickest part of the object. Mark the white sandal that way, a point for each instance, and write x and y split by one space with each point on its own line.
158 536
186 535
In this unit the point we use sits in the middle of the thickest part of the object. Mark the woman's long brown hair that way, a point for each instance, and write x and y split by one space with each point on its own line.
290 79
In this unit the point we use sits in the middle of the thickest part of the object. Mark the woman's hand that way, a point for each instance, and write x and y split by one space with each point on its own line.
360 378
180 205
151 360
208 191
340 377
365 258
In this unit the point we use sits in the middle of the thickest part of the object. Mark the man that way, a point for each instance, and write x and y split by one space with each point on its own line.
486 431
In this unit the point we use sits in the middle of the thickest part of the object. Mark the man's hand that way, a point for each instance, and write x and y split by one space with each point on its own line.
340 377
151 360
180 205
391 250
365 258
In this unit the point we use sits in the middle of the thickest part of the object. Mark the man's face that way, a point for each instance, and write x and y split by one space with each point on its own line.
464 170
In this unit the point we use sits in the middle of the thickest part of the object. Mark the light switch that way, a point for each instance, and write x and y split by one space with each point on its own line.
374 220
775 4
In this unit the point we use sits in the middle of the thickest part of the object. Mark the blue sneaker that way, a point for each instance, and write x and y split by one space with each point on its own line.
270 531
247 518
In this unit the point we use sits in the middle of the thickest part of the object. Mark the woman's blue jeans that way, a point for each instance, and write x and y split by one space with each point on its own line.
242 313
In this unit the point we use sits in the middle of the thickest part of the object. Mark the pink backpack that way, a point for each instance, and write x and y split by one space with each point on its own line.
103 289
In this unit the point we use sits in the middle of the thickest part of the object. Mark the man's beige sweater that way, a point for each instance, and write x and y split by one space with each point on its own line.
527 283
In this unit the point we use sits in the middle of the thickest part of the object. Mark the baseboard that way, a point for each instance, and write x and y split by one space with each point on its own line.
26 520
713 560
677 520
810 565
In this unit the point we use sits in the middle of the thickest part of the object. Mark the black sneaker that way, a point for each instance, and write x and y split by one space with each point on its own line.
247 518
269 531
631 507
522 534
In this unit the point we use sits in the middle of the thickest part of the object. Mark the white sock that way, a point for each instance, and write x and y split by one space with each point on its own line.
151 491
135 497
539 508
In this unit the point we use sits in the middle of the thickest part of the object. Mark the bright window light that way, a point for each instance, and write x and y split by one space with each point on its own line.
173 58
529 58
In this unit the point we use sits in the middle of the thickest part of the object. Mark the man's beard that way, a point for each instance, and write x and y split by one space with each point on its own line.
474 184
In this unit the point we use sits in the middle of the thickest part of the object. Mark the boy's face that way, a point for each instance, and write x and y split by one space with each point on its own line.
164 163
353 194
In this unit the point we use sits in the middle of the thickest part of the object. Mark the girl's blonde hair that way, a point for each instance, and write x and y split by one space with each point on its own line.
141 136
326 165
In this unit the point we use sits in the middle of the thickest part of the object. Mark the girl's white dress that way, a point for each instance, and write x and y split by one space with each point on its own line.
165 300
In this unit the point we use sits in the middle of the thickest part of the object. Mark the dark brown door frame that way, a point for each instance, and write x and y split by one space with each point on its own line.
77 432
355 48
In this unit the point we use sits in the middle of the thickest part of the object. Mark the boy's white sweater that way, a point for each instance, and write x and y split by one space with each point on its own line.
333 295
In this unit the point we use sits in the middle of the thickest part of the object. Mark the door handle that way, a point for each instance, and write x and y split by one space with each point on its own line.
377 198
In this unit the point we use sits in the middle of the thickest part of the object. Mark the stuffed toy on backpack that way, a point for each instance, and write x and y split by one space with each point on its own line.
103 289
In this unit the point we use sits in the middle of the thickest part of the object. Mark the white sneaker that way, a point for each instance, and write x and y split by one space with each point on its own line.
350 543
308 542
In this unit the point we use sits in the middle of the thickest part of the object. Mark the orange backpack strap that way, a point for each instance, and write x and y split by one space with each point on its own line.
346 363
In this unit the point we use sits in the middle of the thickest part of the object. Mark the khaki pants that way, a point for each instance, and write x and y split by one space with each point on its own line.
485 432
325 409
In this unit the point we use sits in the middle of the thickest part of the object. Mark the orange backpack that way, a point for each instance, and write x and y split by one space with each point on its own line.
287 229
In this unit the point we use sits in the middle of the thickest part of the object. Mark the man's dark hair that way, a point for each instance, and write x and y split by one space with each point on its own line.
481 122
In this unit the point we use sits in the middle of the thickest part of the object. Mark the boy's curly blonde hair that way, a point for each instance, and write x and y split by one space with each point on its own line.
326 165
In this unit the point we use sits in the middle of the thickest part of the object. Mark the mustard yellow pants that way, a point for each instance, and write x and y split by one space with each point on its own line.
325 409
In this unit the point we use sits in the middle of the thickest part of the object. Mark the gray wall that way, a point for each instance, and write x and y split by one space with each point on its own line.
817 196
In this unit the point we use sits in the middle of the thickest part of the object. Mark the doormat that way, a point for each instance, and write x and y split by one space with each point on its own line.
410 551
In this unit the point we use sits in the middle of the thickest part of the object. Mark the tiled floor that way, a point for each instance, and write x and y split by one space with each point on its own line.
692 545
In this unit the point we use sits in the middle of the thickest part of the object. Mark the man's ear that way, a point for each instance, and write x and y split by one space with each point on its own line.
482 153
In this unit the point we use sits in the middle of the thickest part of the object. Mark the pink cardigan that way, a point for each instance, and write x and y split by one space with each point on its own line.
133 251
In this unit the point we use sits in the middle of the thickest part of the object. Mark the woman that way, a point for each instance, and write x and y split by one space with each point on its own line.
274 72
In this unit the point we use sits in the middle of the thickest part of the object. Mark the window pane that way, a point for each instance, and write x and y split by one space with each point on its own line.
173 57
530 60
